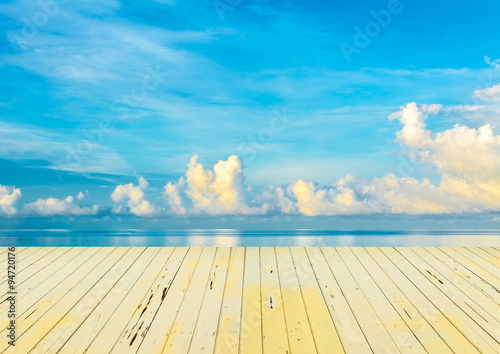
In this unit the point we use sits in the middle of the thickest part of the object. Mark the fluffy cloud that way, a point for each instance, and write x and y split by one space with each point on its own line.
8 197
490 94
216 192
54 206
134 195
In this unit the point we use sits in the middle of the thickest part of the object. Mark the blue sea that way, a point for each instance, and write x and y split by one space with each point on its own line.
261 238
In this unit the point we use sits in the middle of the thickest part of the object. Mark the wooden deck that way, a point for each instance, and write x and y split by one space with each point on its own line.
253 300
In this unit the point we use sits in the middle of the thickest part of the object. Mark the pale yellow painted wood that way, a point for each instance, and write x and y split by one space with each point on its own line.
297 324
485 320
51 308
160 304
324 333
491 251
203 340
417 324
351 335
488 308
23 258
485 276
23 277
274 330
395 326
471 277
228 333
470 329
373 329
425 305
88 327
30 265
29 293
471 256
162 325
181 332
158 269
251 320
486 256
57 323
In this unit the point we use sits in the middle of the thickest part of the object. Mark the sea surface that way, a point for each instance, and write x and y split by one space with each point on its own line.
261 238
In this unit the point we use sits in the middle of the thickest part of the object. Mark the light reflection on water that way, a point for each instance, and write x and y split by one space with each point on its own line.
257 238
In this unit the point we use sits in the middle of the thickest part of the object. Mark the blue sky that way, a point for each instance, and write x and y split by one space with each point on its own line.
97 94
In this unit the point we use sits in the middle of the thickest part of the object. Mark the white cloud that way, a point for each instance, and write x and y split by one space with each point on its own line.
8 197
216 192
134 195
80 196
490 94
174 199
54 206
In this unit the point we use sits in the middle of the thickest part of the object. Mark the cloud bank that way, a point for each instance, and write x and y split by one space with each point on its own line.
134 197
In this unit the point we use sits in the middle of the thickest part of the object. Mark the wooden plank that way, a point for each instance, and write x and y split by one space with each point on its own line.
88 327
471 277
274 331
485 320
63 297
488 307
22 258
208 319
373 329
481 340
35 263
29 294
163 323
325 335
485 276
181 331
251 320
55 330
228 334
472 257
419 327
297 323
392 321
167 290
491 251
495 261
104 340
351 335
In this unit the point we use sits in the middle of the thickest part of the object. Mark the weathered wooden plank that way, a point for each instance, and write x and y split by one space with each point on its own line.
88 317
495 261
208 319
133 303
251 320
169 291
373 329
181 331
389 317
351 335
446 330
485 276
491 251
29 337
297 323
470 329
488 308
228 333
419 327
325 335
274 331
472 257
471 277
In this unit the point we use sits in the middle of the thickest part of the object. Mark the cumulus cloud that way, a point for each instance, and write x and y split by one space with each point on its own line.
54 206
215 192
134 197
8 197
490 94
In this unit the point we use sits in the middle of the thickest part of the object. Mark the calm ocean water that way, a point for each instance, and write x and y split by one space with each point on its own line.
155 238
